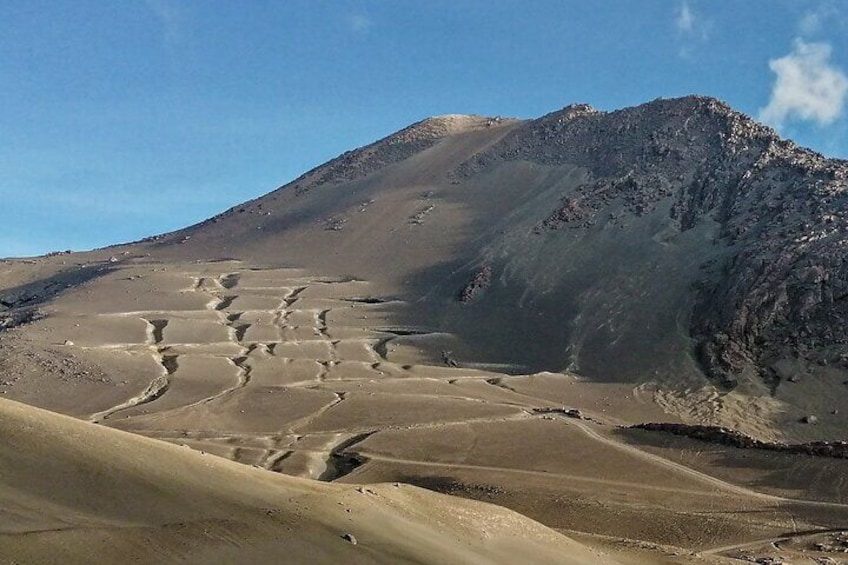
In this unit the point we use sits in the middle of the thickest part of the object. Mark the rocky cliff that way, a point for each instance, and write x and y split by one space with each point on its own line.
780 285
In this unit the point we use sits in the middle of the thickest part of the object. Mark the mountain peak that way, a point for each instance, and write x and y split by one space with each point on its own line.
436 127
575 110
714 115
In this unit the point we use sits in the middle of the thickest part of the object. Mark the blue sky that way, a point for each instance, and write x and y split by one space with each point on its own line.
122 119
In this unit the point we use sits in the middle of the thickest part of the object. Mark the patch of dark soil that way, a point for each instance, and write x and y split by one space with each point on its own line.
453 486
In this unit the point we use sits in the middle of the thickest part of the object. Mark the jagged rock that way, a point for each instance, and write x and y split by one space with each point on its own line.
478 284
569 213
350 538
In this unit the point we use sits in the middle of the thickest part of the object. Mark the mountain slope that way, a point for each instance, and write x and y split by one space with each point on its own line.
72 492
674 239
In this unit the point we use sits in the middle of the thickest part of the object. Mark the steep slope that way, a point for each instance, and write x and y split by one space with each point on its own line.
72 492
674 239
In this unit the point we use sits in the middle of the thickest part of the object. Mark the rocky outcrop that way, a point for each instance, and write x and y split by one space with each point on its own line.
478 284
18 317
780 284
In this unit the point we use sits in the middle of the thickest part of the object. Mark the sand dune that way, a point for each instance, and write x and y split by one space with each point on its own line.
72 492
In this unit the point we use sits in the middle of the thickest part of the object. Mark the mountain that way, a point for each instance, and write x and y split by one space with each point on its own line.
675 239
628 326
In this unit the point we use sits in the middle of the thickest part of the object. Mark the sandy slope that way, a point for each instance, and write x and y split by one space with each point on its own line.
309 376
73 492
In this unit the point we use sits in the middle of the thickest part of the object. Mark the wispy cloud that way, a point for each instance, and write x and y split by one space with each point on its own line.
828 17
807 86
692 28
811 23
685 21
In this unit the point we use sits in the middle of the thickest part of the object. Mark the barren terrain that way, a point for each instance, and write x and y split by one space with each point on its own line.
306 376
472 306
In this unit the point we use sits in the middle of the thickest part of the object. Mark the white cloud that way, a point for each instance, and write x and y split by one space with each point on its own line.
685 21
807 87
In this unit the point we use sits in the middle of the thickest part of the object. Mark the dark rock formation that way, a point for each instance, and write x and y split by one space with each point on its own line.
568 412
477 285
732 438
569 213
